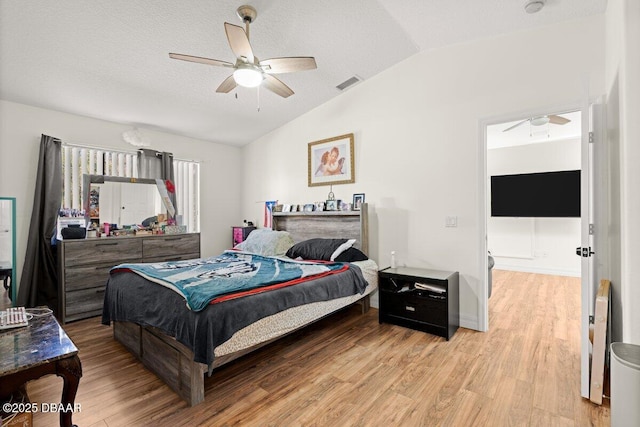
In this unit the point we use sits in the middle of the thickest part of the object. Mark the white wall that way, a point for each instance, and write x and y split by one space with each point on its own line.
537 245
623 133
417 147
21 127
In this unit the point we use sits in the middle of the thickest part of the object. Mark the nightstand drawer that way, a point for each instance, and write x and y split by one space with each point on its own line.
409 305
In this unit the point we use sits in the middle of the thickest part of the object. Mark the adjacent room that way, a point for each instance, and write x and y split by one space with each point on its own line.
275 213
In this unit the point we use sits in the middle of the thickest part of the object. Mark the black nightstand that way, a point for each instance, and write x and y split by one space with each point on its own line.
426 300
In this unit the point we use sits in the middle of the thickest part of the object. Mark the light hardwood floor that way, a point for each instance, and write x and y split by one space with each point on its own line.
349 370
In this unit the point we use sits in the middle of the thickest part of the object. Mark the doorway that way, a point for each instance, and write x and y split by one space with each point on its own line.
533 160
590 219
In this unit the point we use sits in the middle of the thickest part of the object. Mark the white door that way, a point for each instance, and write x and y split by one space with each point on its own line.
594 178
138 202
6 250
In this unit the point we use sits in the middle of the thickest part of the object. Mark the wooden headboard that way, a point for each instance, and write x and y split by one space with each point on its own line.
327 224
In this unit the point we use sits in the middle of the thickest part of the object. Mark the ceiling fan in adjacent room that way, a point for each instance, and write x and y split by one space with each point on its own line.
249 71
541 120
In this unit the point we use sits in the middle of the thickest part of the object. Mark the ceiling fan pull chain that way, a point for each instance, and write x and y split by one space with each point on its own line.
258 98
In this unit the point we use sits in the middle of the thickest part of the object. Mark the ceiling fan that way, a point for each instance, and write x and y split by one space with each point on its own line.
249 71
541 120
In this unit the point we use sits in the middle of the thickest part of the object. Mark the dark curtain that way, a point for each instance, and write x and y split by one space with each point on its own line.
39 280
155 164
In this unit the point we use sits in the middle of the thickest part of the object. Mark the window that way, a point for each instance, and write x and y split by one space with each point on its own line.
187 182
78 160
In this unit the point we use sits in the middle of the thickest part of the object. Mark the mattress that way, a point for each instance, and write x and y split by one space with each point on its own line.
286 321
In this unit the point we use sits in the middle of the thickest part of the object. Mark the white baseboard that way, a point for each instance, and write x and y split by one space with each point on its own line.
469 322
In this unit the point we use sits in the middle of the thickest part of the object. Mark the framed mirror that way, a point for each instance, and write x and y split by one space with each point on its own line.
8 248
119 200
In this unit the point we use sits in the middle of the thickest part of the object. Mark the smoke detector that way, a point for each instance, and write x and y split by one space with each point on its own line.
534 6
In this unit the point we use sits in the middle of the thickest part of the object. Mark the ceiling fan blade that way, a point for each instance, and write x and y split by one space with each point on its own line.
558 120
200 60
516 125
288 65
239 42
276 86
227 85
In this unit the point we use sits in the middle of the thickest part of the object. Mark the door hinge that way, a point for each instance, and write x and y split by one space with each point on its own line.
591 138
591 228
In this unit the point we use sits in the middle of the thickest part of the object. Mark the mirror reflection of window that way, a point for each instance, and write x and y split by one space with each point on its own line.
126 203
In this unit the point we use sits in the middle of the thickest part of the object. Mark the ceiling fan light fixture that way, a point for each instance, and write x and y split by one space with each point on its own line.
248 76
539 121
534 6
136 138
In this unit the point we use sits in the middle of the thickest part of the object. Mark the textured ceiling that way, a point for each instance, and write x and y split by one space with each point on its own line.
108 59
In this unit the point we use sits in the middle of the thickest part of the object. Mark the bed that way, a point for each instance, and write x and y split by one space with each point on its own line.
181 346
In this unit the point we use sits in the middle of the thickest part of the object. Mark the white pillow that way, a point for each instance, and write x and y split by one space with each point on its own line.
266 242
343 247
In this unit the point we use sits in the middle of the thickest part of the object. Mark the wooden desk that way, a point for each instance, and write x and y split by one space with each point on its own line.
39 349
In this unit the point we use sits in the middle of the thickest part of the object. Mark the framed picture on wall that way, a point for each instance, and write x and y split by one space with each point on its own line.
331 161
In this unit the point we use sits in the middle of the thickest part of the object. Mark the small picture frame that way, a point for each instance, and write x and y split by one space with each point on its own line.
309 207
358 200
331 205
319 206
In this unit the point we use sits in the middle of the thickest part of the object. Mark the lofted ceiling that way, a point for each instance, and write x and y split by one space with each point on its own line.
108 59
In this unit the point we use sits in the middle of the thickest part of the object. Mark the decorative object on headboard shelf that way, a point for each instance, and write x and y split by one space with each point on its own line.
269 207
331 161
358 200
332 204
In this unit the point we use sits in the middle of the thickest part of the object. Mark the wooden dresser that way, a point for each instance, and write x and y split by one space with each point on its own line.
84 266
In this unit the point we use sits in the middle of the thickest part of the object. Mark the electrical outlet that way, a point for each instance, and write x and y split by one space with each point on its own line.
451 221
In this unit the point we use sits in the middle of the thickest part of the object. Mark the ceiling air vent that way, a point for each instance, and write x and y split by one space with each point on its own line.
349 82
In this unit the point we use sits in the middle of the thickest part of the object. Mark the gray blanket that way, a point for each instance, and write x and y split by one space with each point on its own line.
131 298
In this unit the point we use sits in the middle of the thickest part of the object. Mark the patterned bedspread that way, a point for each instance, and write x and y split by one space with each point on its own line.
232 274
130 297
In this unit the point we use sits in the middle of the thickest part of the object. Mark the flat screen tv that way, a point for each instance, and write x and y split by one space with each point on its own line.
545 194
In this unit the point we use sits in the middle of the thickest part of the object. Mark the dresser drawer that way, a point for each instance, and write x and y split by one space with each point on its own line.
409 305
102 251
170 245
83 303
174 257
89 276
